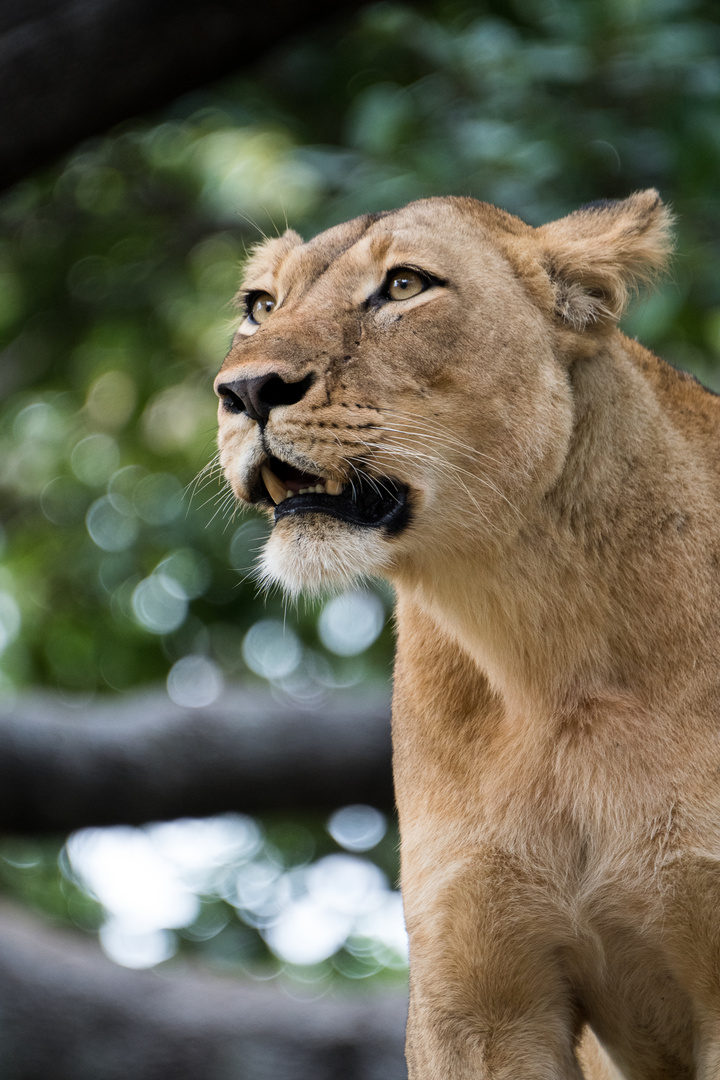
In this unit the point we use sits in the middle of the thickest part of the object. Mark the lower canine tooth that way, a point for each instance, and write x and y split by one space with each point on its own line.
333 487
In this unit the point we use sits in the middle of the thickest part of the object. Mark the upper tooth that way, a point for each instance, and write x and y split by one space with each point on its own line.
275 489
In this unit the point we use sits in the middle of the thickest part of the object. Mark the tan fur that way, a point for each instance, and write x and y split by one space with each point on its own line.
556 713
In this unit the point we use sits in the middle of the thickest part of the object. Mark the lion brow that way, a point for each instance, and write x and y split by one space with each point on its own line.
364 223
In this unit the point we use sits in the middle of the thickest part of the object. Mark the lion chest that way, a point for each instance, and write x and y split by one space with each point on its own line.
581 813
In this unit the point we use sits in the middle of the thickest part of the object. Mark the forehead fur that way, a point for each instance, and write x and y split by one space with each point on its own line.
439 223
313 257
581 268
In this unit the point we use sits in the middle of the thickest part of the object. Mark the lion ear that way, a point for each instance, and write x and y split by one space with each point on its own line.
600 254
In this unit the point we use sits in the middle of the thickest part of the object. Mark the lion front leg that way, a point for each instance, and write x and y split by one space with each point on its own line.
442 1047
489 995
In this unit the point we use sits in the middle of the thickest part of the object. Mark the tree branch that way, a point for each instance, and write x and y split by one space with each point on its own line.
68 1013
69 70
142 758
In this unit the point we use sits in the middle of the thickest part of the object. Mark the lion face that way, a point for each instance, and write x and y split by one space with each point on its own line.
396 395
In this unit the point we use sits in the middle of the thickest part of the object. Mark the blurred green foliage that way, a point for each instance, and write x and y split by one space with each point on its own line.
118 266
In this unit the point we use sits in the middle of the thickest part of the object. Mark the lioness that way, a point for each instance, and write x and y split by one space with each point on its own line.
440 395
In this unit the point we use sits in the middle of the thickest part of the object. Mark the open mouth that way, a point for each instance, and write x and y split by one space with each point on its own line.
369 502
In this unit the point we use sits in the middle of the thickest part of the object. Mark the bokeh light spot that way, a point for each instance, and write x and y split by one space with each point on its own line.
94 459
111 523
194 681
271 649
125 480
39 421
175 416
357 828
143 895
202 847
111 399
159 604
347 884
189 569
136 948
351 622
307 932
158 498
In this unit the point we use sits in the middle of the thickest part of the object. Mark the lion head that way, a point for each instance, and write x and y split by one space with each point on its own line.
398 394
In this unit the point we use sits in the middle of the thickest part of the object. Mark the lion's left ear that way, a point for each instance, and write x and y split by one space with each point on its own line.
597 256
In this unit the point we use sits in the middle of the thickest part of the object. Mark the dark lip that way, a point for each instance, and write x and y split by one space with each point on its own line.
380 503
389 511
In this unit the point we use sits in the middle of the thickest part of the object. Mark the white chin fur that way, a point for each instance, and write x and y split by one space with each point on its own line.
314 555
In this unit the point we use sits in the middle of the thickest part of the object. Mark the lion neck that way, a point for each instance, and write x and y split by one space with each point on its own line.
561 612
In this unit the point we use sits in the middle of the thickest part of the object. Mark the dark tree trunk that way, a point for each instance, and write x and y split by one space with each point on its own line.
67 1013
73 68
142 758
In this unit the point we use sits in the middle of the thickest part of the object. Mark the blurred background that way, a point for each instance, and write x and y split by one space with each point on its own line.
194 779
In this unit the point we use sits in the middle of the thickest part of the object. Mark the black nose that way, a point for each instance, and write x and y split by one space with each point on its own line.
258 396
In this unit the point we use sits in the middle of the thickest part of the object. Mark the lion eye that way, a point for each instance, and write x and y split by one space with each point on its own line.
403 284
261 306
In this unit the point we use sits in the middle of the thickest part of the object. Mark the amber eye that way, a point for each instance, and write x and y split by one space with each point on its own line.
403 284
261 305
